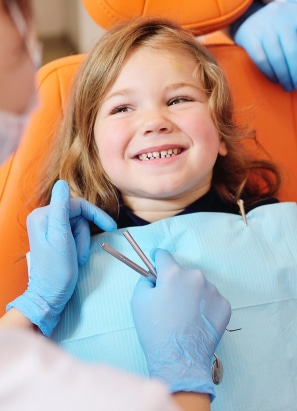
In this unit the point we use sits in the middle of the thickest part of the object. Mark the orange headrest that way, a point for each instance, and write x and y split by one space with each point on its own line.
199 16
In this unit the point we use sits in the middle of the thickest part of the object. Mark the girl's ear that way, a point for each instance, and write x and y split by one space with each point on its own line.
222 148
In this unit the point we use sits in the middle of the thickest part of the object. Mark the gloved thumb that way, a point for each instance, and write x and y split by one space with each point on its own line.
212 307
166 265
81 233
163 259
140 294
58 215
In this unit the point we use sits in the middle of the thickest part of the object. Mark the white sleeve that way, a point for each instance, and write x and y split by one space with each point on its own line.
37 375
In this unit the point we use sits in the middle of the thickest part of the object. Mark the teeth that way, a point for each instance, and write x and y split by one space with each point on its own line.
160 154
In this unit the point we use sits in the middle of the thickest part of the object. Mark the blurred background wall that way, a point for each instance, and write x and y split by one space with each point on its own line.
64 28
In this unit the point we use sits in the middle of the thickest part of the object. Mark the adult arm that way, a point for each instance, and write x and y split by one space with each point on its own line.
36 374
16 318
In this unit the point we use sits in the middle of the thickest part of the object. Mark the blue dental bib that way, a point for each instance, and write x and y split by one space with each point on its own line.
253 266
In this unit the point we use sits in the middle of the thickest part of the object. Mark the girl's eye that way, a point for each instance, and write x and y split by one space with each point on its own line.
178 100
120 109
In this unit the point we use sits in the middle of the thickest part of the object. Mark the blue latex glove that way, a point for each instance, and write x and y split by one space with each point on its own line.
270 38
59 237
179 322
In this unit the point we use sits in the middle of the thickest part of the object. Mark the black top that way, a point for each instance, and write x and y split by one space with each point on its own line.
210 202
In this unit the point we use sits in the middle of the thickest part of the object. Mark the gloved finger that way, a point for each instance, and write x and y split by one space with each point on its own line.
164 262
140 293
36 223
289 48
255 50
216 309
81 207
277 59
81 232
59 231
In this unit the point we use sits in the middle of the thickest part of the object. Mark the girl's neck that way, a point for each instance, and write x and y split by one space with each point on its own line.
152 209
156 215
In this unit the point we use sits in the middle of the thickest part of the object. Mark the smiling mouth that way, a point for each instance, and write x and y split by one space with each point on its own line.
159 154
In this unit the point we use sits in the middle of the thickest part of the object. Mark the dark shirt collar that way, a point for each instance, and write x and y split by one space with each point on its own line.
210 202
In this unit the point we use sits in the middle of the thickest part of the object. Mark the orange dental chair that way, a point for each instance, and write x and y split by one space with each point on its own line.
271 111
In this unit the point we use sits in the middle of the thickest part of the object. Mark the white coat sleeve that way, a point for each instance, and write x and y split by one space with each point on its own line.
36 375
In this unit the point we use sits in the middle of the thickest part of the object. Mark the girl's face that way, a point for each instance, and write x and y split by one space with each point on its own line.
155 136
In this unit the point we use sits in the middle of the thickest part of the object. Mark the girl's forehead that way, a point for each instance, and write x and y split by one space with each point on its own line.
162 52
149 58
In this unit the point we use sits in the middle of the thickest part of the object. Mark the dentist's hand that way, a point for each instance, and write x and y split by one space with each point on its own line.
270 38
179 323
59 237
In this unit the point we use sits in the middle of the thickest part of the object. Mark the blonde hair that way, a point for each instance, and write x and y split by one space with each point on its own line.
75 157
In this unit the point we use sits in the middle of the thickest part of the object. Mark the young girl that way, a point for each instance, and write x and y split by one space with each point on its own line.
149 137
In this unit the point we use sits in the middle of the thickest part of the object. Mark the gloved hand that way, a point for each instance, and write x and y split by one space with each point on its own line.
59 237
179 323
270 38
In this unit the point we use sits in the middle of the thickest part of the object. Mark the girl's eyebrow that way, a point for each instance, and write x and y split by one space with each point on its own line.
118 93
183 84
202 96
170 87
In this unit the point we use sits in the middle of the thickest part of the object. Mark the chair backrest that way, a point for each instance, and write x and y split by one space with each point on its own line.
272 111
199 16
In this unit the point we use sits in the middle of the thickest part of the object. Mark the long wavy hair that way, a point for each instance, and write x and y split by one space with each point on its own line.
74 156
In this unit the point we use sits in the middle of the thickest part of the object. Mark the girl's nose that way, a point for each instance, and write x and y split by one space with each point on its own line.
156 124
